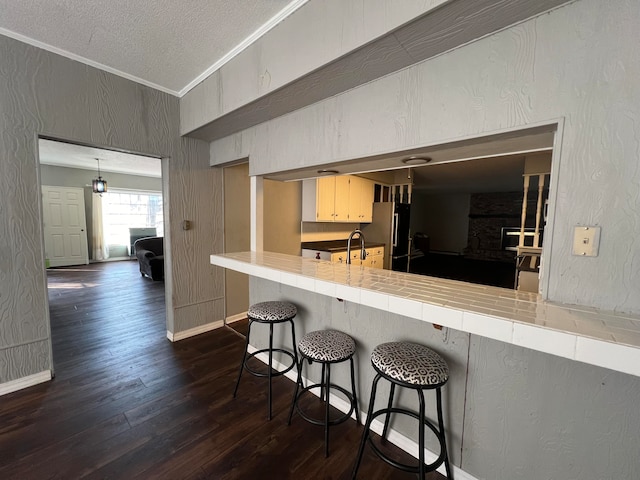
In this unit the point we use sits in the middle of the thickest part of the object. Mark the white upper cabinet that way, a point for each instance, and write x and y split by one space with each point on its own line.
344 198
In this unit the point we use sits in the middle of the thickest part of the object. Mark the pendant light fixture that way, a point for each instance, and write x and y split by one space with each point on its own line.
99 185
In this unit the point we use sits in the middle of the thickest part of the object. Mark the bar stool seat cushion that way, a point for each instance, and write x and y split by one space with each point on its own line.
327 346
272 311
410 363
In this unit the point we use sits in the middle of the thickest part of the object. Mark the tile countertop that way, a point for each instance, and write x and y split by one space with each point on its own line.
584 334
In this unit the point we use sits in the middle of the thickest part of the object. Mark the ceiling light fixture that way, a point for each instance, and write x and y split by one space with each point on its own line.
328 172
416 160
98 184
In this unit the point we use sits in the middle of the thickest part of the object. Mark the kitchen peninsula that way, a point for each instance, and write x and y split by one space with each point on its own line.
584 334
523 371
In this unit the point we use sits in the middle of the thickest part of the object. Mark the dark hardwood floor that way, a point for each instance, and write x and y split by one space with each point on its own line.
127 403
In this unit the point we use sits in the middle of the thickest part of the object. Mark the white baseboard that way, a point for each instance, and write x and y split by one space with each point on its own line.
24 382
192 332
393 436
236 317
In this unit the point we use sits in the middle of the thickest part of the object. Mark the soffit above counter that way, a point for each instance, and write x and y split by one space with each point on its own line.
451 25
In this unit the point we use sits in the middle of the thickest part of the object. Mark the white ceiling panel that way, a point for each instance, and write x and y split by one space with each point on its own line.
166 44
71 155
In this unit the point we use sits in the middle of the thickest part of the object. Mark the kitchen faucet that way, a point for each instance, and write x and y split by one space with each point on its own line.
363 253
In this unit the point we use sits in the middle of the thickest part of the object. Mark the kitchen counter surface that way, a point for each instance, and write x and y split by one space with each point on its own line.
584 334
338 245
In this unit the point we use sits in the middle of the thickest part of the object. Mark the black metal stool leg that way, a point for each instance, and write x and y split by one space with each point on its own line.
323 382
443 441
293 340
365 433
295 394
353 390
270 364
326 410
421 435
244 359
387 418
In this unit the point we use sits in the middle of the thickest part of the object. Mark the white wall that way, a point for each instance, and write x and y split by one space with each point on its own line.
577 65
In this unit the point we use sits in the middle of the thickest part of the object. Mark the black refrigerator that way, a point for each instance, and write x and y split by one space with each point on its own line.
390 225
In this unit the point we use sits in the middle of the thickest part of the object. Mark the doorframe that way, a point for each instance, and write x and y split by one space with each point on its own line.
168 285
252 212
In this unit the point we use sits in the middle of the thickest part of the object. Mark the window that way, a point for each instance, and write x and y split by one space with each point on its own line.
127 209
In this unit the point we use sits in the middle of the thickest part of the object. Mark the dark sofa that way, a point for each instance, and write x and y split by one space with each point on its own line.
150 254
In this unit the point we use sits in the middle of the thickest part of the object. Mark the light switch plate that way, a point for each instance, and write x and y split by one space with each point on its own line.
586 241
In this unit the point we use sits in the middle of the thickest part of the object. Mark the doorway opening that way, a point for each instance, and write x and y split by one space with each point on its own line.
81 244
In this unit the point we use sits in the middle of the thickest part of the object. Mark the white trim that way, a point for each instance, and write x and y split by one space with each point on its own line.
86 61
236 318
393 436
256 184
272 22
24 382
192 332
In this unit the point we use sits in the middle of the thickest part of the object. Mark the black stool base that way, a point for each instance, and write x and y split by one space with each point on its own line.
421 468
270 373
325 391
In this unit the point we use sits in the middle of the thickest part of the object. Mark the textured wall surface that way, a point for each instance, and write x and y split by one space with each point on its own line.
518 415
328 30
42 93
577 63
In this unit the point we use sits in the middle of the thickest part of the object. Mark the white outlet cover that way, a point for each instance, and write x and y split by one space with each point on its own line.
586 240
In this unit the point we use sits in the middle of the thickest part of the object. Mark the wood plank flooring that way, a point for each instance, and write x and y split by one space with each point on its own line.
127 403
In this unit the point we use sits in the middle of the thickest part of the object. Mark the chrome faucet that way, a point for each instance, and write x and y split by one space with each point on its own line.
363 253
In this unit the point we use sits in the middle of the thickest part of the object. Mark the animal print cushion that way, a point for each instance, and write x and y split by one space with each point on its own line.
410 363
327 346
272 311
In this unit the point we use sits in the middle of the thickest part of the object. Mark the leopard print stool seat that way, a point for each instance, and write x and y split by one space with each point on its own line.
271 313
326 347
410 363
413 366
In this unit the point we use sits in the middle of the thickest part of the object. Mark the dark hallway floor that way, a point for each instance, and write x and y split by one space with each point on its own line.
126 403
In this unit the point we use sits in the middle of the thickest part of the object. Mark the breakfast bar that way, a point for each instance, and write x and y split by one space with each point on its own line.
583 334
526 375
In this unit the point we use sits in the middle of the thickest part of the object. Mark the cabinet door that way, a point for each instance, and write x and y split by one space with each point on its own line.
355 257
366 200
341 212
355 190
325 199
339 257
376 261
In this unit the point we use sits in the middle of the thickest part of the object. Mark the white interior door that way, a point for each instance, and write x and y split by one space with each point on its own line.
65 226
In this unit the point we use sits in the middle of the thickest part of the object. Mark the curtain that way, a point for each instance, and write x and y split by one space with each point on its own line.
100 248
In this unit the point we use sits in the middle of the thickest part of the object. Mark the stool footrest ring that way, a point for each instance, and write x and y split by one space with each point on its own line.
275 373
335 421
401 466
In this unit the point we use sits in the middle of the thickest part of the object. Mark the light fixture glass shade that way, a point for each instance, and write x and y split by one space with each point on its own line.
99 185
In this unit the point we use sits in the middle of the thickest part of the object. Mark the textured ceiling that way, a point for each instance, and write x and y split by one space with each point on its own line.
70 155
166 44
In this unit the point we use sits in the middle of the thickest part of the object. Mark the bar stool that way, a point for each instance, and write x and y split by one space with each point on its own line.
271 313
419 368
326 347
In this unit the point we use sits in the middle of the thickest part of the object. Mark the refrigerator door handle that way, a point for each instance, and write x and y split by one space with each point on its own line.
395 229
